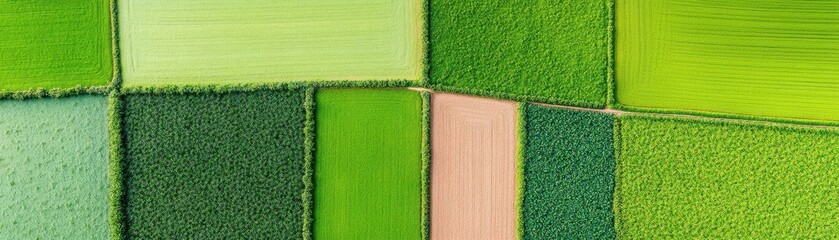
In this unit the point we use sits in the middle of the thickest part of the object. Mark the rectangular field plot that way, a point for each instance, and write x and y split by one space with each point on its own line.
569 174
702 179
473 167
53 168
772 58
214 166
219 41
368 164
548 51
55 44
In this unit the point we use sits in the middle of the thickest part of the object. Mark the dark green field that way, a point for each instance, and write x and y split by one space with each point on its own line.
544 51
569 176
214 166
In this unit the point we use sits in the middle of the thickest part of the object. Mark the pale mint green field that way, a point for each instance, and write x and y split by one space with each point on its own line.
220 41
53 168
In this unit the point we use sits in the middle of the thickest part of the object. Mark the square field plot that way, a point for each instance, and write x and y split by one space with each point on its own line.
368 164
473 167
220 41
769 58
545 51
214 166
569 174
702 179
54 168
55 44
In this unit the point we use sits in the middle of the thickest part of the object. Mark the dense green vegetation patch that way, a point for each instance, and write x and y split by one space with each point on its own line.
553 50
569 167
55 44
53 168
368 164
771 58
214 166
218 41
687 178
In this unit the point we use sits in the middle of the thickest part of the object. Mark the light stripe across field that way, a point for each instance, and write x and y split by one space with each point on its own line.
771 58
220 41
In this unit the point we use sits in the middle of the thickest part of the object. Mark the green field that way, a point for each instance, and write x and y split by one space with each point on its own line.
547 51
219 41
53 168
685 178
55 44
214 165
569 176
368 164
772 58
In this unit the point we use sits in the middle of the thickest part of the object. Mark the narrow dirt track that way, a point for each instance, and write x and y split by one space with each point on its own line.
473 167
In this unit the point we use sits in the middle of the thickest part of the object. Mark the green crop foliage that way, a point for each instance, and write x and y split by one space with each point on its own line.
214 165
769 58
55 44
547 51
219 41
53 168
368 164
569 174
689 178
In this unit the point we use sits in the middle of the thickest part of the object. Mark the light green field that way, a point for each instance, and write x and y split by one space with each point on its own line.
701 179
368 164
220 41
53 168
55 44
774 58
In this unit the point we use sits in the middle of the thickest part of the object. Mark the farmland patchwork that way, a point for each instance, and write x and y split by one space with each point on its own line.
53 168
348 119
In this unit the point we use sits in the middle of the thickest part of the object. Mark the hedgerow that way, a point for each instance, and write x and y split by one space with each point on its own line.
552 50
53 168
568 174
722 179
215 165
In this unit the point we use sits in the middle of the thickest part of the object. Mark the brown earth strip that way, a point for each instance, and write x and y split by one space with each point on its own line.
473 167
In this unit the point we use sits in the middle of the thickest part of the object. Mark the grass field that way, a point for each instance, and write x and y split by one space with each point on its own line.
368 164
214 166
703 179
53 165
554 51
55 44
771 58
569 168
217 41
